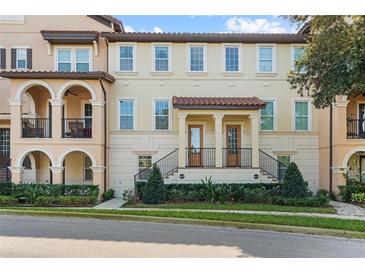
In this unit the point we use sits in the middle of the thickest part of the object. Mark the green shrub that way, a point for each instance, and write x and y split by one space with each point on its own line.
108 195
80 190
174 195
358 198
6 188
65 201
347 191
154 191
315 201
257 195
129 197
294 185
8 200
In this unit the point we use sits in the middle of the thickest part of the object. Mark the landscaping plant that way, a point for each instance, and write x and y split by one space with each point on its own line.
154 191
108 195
294 185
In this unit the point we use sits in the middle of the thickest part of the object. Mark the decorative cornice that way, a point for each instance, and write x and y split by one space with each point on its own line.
15 102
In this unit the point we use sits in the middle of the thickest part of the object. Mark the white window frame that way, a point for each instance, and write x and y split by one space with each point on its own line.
73 56
153 54
275 108
294 100
138 168
292 48
84 169
154 116
134 113
258 46
205 48
134 46
229 45
16 57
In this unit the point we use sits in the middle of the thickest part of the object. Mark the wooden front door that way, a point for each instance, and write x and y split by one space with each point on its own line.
233 145
195 155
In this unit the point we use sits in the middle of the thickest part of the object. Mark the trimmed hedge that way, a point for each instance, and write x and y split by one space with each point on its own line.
108 195
65 201
8 200
315 201
347 191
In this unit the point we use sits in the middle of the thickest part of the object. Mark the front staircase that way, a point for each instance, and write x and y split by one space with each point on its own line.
271 168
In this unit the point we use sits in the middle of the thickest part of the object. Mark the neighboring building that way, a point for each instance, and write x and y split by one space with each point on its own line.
82 101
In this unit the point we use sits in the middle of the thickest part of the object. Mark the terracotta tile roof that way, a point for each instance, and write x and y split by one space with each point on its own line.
90 75
217 102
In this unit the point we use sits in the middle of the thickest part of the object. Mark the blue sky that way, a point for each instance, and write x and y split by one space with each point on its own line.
227 23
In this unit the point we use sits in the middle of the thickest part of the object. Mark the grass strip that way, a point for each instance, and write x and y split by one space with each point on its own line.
255 207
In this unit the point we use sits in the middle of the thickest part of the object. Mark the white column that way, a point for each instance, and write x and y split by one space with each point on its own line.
57 175
255 139
57 118
218 118
182 143
98 178
16 118
16 174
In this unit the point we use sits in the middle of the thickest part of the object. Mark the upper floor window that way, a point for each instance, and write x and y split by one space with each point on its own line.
268 116
232 58
162 114
297 53
197 58
126 114
2 58
302 115
78 59
161 58
266 59
127 58
21 58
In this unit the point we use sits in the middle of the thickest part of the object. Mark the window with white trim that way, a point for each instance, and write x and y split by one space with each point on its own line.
161 54
143 163
266 58
268 116
126 114
77 59
162 114
196 58
4 141
126 58
88 173
301 109
232 58
285 159
297 54
21 58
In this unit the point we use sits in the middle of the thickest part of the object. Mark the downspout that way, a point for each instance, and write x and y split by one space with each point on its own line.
330 149
105 129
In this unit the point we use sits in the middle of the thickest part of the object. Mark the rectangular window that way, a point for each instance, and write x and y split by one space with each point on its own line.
285 159
301 115
4 142
196 58
162 114
88 113
88 173
126 62
231 54
161 58
297 53
126 119
21 58
82 60
143 163
268 116
266 59
73 60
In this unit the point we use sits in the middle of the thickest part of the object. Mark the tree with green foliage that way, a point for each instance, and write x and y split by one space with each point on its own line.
154 191
333 63
294 185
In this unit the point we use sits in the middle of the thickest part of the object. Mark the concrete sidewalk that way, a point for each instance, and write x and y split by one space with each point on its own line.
114 203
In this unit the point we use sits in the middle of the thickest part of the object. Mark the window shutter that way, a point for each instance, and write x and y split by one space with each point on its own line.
3 59
13 58
29 58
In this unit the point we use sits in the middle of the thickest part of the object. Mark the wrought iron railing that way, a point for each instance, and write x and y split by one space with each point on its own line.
168 165
77 128
271 166
5 174
355 128
200 157
237 157
36 127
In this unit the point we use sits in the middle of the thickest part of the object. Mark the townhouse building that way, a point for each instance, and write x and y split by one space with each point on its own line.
84 102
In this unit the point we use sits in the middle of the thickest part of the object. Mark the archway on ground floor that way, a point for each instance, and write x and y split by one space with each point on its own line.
354 162
36 168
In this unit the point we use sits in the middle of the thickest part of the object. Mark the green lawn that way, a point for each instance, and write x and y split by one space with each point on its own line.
257 207
215 218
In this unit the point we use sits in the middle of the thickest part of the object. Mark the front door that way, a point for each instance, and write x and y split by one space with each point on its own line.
362 169
233 141
195 157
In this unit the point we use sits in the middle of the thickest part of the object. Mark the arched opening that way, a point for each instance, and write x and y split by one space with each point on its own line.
36 112
355 114
77 168
77 112
36 168
355 163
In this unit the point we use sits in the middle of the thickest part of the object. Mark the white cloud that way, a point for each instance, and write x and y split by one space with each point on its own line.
241 24
157 29
128 28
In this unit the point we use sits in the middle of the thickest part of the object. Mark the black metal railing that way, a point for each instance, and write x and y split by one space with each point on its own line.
237 157
200 157
168 165
36 127
77 128
355 129
271 166
5 174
